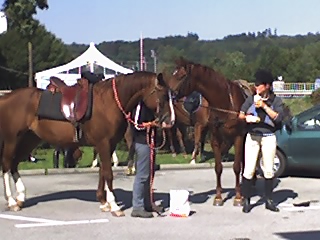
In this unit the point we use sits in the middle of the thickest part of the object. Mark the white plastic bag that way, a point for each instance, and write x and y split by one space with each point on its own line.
179 203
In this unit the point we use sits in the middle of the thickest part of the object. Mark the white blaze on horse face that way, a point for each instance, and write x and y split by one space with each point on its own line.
7 190
111 200
175 72
173 116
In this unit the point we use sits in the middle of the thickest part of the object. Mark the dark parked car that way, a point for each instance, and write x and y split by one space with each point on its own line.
299 143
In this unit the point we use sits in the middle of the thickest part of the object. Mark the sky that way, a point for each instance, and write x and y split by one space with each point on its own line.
85 21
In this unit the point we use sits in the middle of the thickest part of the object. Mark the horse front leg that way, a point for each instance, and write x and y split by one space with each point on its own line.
28 142
106 174
197 143
238 159
215 144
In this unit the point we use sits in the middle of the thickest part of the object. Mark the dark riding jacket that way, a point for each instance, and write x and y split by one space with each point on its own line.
266 124
144 114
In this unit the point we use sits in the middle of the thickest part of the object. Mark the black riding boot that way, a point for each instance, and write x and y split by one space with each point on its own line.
268 194
246 192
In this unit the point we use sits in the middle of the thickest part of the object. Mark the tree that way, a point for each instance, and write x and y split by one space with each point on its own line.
20 16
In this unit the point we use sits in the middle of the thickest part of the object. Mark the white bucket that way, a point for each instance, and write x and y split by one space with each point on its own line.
179 203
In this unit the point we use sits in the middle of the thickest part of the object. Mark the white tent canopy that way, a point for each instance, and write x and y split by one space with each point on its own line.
92 56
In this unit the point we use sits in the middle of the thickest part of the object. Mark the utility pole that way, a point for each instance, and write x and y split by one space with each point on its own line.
154 56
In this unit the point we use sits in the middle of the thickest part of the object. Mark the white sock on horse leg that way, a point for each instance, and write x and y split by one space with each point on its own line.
7 190
19 187
94 163
115 159
111 200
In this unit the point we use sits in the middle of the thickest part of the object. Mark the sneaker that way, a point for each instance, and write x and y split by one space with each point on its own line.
155 208
141 214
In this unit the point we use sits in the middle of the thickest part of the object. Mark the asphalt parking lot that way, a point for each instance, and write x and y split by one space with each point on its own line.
64 206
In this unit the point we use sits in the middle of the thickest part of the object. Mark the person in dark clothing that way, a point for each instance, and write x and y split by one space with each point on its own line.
263 113
141 201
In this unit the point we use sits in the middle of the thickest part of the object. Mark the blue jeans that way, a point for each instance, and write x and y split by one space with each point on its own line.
141 185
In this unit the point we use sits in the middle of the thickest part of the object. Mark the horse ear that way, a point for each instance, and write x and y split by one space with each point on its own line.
180 61
161 80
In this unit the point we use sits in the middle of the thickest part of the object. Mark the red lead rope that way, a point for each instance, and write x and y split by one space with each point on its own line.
152 161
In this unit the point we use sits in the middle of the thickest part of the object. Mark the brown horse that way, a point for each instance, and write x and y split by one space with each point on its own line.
22 128
225 99
197 119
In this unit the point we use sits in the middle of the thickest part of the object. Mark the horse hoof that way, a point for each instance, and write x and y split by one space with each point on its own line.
14 208
105 208
174 155
218 202
118 213
20 204
193 161
237 202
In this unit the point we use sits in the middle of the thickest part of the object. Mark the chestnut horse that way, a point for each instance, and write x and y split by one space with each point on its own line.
197 119
225 98
21 128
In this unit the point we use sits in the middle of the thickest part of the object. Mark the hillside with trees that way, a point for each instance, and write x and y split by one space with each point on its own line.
296 58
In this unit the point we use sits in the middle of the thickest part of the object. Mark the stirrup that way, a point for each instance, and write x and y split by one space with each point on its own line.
78 133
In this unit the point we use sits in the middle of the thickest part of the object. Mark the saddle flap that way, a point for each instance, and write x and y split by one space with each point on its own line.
74 102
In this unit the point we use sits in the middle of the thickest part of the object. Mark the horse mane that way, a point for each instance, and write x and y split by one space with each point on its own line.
206 71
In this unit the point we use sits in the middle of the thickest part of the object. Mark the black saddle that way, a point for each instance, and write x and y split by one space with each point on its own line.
192 102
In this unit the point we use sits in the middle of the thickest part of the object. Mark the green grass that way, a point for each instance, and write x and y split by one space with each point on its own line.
45 156
45 159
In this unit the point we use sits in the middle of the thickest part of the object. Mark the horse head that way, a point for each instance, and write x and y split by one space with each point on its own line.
160 100
180 82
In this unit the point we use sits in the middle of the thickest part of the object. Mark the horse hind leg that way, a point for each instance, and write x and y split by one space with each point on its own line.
131 170
115 159
218 201
180 138
8 150
238 147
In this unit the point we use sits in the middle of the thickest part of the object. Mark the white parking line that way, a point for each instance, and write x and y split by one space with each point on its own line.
28 219
63 223
298 209
41 222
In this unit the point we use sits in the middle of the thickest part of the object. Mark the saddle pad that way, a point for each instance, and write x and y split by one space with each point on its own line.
50 106
192 102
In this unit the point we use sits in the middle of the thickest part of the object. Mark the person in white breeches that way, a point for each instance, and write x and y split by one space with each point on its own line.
263 113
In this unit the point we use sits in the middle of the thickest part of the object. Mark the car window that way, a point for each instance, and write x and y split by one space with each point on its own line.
310 120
